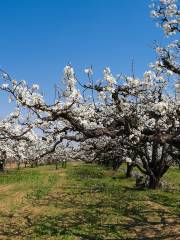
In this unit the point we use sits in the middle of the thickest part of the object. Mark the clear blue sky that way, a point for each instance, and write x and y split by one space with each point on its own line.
39 37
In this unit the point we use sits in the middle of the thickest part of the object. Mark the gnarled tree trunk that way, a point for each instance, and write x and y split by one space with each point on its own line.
129 170
153 182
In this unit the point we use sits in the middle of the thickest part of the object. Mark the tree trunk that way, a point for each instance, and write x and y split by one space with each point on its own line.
2 163
1 168
129 170
153 182
32 165
18 165
116 164
56 163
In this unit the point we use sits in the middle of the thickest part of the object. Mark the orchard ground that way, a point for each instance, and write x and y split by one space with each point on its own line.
88 202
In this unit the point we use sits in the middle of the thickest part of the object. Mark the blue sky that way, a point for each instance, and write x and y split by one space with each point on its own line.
39 37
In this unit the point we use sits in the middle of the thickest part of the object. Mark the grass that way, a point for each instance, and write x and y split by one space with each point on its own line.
86 202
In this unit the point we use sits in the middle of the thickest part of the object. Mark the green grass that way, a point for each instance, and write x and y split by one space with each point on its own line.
15 176
86 202
43 188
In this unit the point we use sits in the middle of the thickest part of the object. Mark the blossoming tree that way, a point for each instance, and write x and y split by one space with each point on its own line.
141 115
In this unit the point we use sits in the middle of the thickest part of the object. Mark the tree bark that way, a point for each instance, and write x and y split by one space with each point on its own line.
129 170
2 163
153 182
116 164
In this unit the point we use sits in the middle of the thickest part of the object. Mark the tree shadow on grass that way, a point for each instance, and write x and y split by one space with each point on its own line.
95 213
101 218
88 225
